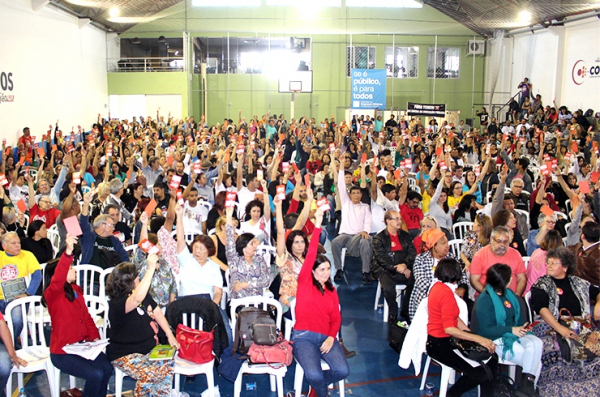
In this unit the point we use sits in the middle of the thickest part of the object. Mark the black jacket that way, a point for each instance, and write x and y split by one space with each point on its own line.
383 257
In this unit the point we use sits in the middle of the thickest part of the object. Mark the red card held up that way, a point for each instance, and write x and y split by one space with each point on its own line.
151 207
295 167
306 180
547 210
584 187
21 205
364 158
175 181
41 152
72 226
438 151
594 176
574 147
397 174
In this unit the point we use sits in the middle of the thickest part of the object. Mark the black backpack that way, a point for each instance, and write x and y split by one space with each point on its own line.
246 319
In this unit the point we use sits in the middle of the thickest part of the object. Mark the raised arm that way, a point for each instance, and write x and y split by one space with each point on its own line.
181 244
280 227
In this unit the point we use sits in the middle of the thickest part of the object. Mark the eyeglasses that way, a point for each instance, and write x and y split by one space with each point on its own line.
503 242
519 187
553 264
111 225
45 202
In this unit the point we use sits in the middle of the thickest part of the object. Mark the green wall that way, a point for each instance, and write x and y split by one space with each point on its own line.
331 30
137 83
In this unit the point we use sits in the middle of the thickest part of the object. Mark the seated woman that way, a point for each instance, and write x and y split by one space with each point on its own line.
134 319
447 316
476 238
37 242
249 273
557 290
436 248
318 321
467 209
72 323
163 288
199 275
502 318
537 261
220 240
259 223
427 223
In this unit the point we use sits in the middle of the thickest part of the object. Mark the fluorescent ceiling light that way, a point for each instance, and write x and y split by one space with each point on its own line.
305 3
226 3
525 16
114 12
384 3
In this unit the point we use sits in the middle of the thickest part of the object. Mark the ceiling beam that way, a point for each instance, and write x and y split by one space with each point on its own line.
83 22
37 5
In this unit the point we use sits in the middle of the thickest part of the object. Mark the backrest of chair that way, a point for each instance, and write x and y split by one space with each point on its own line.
526 261
103 278
567 226
193 320
98 307
523 212
212 231
54 238
561 214
266 251
86 276
205 204
455 247
32 313
527 298
26 223
461 228
255 301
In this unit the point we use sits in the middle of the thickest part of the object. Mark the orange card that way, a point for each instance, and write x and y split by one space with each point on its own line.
295 167
227 156
128 174
54 147
151 207
438 151
574 147
21 205
364 158
169 160
547 210
41 151
397 174
22 160
584 187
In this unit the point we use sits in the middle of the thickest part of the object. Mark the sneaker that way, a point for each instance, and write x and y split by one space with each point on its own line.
366 278
338 275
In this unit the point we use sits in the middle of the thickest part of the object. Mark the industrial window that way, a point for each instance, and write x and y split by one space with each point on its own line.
445 61
358 57
402 62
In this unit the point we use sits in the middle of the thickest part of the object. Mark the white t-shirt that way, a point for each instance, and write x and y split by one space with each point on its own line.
17 193
246 227
196 279
193 217
244 197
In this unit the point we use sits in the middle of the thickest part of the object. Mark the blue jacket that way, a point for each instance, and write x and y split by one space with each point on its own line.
88 238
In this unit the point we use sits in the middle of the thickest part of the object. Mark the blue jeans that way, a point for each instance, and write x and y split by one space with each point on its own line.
17 318
96 373
5 367
307 352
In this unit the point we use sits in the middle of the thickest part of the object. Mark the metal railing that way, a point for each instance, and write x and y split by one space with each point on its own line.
147 64
505 105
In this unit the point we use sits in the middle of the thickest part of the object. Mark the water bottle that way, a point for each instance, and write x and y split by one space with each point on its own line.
22 393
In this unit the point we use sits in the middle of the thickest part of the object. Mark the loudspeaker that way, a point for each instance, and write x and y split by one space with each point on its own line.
469 122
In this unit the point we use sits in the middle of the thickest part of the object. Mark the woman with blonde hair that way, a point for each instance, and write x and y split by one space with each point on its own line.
427 223
476 238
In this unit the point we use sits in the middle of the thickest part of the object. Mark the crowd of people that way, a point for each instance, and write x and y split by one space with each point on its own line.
444 210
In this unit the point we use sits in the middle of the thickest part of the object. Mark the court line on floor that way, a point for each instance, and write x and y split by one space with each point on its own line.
25 380
375 381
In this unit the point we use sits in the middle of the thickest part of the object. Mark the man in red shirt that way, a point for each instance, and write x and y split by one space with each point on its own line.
43 210
498 252
27 141
411 213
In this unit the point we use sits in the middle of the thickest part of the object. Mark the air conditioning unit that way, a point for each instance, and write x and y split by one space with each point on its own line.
476 47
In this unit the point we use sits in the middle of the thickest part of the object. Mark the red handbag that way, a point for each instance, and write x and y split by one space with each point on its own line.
281 353
195 345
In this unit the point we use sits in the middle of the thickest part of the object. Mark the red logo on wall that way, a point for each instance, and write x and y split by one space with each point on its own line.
579 72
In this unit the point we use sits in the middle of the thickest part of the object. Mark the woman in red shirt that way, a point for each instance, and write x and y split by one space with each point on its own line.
444 322
72 323
318 321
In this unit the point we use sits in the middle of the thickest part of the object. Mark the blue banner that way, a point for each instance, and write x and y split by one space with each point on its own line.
368 89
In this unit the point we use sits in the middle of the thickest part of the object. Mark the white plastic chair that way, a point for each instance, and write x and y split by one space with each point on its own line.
400 288
37 354
525 244
266 251
561 214
85 276
446 377
461 228
226 291
276 374
567 226
205 204
188 368
54 238
103 278
526 261
455 247
26 223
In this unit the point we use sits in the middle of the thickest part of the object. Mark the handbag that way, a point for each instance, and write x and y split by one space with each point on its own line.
280 353
396 335
471 350
195 345
588 344
264 334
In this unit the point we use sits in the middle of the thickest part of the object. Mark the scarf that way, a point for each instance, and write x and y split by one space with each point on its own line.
508 339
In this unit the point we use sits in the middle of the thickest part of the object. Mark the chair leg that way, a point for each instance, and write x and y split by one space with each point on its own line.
425 370
237 385
377 295
512 372
118 382
273 383
210 380
177 381
279 380
298 377
342 389
56 390
444 380
386 311
72 382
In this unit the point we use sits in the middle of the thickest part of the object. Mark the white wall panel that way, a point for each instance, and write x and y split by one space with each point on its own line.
58 70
